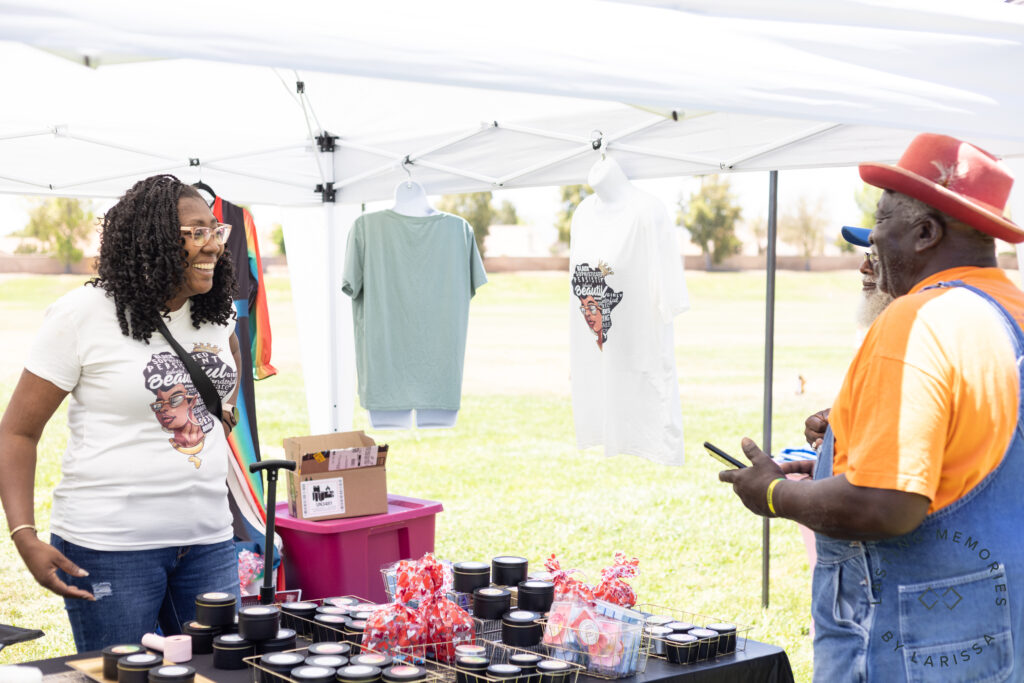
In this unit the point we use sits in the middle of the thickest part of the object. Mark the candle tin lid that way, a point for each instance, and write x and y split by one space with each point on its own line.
552 665
283 659
509 561
520 617
329 649
681 638
283 634
215 599
680 626
334 609
658 631
356 624
194 627
722 628
703 633
524 659
358 672
260 612
536 586
330 661
231 641
471 567
122 650
362 615
470 650
312 674
404 672
299 607
344 601
366 607
472 662
372 659
659 620
333 619
140 661
490 594
503 671
173 673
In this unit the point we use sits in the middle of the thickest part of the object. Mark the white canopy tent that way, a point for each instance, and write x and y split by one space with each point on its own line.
714 85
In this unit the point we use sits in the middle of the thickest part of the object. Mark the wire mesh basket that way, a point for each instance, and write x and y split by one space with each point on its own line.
263 674
607 641
324 630
496 653
715 637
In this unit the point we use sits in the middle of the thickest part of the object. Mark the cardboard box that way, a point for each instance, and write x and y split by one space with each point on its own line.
338 475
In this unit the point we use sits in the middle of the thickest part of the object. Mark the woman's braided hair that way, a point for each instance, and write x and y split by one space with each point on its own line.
142 259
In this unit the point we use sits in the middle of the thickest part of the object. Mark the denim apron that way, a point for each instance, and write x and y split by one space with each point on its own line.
942 603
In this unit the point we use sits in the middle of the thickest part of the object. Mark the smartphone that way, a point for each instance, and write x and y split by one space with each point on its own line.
723 457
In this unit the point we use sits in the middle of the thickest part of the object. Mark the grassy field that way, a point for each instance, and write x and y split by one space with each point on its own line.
509 475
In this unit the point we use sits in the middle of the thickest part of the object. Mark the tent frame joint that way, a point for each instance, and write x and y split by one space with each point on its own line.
328 194
325 142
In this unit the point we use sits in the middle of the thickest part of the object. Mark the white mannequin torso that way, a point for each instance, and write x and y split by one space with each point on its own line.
411 200
610 183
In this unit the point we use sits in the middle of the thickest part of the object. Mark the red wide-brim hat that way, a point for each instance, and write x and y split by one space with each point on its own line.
956 178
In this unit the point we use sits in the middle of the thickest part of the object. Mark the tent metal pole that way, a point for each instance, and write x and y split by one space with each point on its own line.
769 356
333 286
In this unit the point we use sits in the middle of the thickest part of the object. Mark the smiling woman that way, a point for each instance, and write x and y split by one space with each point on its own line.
124 551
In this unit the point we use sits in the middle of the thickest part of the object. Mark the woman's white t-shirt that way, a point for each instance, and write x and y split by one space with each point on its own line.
146 464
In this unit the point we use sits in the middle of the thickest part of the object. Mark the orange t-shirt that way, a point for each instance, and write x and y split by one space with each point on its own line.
929 403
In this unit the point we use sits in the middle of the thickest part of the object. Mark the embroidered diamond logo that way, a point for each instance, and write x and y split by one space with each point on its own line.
929 599
946 598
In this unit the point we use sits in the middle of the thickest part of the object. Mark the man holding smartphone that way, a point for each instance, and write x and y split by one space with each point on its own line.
915 500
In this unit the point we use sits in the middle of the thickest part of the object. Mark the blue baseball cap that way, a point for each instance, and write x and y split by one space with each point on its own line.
857 236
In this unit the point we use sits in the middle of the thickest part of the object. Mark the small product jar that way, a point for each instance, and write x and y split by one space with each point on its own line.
202 637
297 615
373 659
536 595
553 671
467 650
468 576
354 629
284 640
726 637
330 648
657 635
135 668
330 661
312 674
403 673
329 627
503 671
508 570
172 673
681 648
680 626
344 601
707 642
527 661
216 609
276 665
491 603
520 628
229 651
359 674
113 653
334 609
468 668
659 620
259 622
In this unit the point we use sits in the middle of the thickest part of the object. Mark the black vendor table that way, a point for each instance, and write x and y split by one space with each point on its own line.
758 663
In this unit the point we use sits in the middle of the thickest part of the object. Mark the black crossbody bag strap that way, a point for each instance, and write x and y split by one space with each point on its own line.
199 378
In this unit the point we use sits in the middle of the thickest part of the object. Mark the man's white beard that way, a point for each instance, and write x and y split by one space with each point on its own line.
871 306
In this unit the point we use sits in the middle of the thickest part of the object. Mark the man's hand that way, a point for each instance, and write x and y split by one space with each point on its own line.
815 426
751 483
43 560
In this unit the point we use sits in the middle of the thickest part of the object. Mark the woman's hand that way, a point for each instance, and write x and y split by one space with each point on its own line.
43 560
227 417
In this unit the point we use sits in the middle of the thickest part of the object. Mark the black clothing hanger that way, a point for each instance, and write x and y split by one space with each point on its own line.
200 185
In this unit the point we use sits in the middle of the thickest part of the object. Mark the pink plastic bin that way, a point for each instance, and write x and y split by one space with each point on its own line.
344 556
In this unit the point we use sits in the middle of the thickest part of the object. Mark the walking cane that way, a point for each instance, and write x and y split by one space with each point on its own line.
272 467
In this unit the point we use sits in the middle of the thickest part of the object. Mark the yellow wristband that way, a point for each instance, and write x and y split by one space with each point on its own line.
20 527
771 488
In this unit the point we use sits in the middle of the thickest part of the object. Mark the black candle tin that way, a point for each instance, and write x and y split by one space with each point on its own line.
553 671
202 637
361 614
259 622
334 609
658 620
330 648
229 649
468 576
503 671
680 626
330 661
113 653
359 674
726 637
491 603
329 627
354 629
172 673
468 650
519 628
312 674
468 668
508 570
536 595
297 615
707 641
403 673
344 601
681 648
135 668
216 609
528 663
657 634
280 663
372 659
284 640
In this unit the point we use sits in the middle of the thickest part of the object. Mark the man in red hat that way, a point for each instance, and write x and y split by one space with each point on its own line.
916 499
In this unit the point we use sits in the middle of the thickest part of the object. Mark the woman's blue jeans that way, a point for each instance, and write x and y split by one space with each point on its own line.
138 590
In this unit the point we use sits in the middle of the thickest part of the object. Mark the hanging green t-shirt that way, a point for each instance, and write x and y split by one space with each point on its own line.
411 279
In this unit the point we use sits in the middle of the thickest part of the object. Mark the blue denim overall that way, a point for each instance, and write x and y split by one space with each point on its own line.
942 603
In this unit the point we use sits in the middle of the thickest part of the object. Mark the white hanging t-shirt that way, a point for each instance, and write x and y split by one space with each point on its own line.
627 285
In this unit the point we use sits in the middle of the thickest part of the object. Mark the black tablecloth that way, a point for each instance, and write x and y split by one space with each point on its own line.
757 663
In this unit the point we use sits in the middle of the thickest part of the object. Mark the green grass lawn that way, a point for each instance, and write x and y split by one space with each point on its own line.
509 475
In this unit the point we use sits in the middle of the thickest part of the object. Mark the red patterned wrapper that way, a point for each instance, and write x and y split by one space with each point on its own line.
393 626
613 588
567 587
445 622
435 576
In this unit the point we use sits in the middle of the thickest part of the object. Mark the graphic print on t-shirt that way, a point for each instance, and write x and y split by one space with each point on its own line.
177 407
597 298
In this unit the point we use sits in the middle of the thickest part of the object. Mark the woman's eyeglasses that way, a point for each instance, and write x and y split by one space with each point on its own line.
173 402
201 235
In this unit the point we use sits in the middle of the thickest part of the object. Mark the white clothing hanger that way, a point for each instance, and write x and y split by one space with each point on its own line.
410 197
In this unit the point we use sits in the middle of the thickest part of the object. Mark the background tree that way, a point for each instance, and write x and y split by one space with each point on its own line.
277 237
711 215
571 195
60 225
506 214
803 226
759 229
476 208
